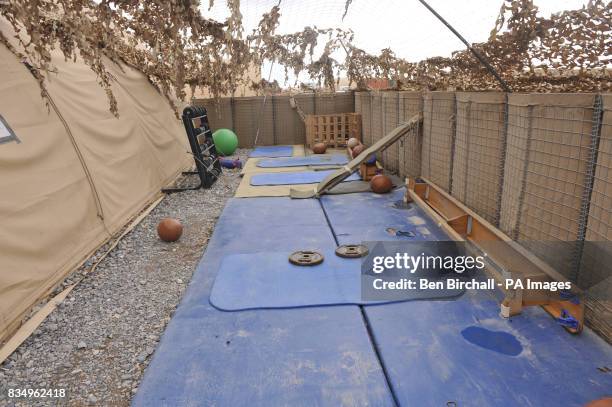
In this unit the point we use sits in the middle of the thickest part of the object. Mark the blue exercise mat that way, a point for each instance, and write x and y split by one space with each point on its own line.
262 358
333 159
272 151
268 280
295 178
462 351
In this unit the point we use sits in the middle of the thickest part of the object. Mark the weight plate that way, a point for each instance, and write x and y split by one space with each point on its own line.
306 258
352 250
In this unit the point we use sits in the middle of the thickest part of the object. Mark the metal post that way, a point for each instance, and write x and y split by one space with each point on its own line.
589 180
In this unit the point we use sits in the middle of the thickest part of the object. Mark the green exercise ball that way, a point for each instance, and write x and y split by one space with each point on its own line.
225 141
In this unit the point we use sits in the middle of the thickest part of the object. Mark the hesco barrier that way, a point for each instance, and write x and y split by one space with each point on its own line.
539 166
478 161
439 117
269 120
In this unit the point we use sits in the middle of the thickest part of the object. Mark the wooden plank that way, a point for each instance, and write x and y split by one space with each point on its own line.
462 224
446 208
499 234
441 222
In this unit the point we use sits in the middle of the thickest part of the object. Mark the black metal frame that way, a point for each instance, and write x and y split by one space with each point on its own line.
203 149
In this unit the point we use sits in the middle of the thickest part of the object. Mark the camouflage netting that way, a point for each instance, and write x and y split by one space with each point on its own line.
176 46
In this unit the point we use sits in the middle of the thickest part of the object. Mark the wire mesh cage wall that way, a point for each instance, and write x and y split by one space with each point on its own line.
251 115
390 120
362 106
376 115
368 120
277 121
438 137
549 151
219 111
343 102
595 274
288 126
479 152
410 146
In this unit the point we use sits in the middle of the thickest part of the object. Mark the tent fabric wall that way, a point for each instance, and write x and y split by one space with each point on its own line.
52 215
479 150
438 137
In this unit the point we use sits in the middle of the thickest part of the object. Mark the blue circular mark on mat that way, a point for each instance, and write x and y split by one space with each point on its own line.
497 341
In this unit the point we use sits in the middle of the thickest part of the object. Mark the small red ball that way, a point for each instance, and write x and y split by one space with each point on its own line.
319 148
169 230
358 150
381 184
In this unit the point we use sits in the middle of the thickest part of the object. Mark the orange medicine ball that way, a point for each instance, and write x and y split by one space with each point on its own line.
381 184
319 148
358 149
605 402
169 230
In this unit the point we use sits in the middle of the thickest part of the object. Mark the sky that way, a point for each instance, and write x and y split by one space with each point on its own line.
405 26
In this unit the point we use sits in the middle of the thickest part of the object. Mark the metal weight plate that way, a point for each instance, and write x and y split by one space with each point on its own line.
306 258
352 251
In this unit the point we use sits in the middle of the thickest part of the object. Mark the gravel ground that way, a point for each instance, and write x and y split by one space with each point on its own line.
98 342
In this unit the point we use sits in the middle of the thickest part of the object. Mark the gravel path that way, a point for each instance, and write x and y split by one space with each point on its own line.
97 344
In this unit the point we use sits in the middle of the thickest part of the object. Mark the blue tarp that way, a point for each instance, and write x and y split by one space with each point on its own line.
283 357
324 356
428 357
332 159
272 151
268 280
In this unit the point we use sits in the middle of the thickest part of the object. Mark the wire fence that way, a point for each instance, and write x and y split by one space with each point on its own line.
596 256
551 157
410 146
538 166
273 121
390 110
439 116
479 148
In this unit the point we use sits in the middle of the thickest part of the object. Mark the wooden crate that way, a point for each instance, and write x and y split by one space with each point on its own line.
368 171
332 129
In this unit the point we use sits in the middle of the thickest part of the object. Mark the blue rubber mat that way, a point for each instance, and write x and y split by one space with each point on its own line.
268 280
366 217
295 178
462 351
297 357
272 151
333 159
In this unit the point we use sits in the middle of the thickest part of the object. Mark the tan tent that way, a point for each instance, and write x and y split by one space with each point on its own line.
75 174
